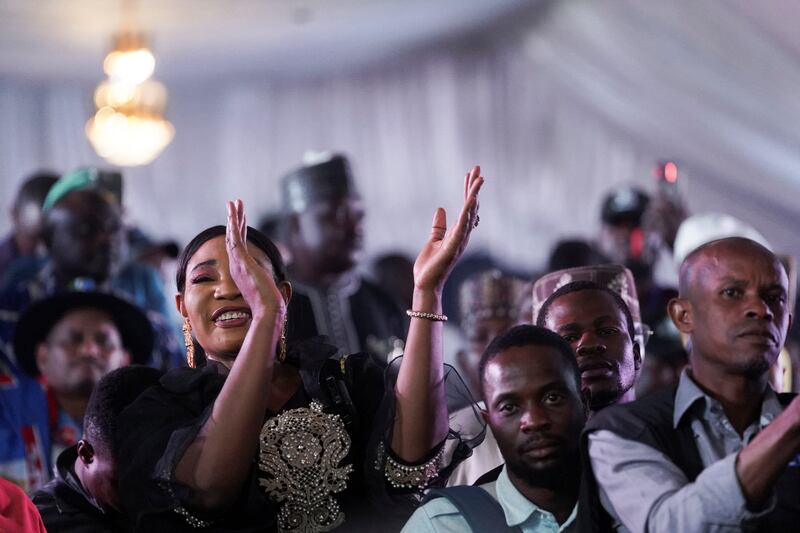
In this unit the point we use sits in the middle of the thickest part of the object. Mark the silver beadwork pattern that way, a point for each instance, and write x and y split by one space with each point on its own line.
190 519
401 476
300 454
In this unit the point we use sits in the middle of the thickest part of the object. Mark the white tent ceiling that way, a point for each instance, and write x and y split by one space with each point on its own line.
199 40
714 84
559 99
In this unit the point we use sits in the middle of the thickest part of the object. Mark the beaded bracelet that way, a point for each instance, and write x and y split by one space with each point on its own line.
427 316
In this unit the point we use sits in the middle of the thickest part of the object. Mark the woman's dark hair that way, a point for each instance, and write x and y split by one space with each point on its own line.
253 236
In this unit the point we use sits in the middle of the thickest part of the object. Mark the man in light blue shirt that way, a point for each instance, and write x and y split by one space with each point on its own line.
531 385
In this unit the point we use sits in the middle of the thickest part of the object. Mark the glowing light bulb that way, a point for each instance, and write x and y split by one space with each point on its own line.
129 66
129 128
128 140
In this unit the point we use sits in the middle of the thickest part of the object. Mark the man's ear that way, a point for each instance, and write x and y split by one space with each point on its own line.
85 452
41 355
680 311
179 305
126 357
637 356
485 415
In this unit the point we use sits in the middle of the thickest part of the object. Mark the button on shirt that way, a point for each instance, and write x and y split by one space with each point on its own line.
440 516
643 490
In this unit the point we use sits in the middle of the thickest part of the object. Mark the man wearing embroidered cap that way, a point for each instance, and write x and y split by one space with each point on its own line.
612 276
324 236
488 305
588 307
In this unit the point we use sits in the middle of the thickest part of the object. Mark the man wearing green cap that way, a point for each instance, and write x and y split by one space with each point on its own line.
84 237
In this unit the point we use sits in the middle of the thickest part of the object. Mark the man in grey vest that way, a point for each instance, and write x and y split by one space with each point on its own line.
720 451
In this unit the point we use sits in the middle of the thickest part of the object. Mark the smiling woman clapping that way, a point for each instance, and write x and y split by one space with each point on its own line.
265 436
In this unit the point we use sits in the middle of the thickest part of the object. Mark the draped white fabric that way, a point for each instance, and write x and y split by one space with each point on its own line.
585 98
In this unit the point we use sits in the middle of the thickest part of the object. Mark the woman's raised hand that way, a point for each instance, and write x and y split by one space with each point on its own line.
440 253
255 281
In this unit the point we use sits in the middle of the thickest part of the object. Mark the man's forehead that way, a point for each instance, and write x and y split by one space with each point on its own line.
524 367
67 216
589 304
86 199
739 261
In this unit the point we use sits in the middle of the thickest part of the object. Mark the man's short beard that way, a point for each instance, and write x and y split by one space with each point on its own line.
755 369
551 477
604 398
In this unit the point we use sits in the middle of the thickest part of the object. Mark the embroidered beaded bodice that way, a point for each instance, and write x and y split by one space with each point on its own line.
300 455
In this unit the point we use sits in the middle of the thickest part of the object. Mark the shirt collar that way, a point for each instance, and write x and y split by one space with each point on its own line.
518 509
689 392
771 407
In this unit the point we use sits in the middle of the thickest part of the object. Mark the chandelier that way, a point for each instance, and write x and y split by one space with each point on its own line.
129 129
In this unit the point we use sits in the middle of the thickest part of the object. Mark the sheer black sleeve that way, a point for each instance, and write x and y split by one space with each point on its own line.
154 433
390 481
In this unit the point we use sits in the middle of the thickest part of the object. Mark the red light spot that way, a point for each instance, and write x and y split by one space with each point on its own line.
636 243
671 172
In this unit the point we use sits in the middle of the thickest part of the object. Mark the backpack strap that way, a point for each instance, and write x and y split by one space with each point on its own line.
481 511
489 476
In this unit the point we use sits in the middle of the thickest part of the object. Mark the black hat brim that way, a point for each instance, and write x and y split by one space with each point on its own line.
39 318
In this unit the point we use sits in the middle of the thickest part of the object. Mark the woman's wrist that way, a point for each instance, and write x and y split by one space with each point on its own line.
268 316
427 301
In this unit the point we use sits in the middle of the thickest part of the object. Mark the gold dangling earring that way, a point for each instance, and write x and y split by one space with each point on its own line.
282 343
189 342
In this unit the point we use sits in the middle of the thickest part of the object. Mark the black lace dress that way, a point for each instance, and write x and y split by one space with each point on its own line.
322 463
